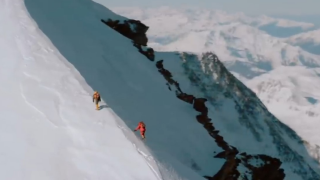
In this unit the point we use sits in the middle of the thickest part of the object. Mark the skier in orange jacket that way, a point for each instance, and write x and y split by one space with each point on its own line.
142 127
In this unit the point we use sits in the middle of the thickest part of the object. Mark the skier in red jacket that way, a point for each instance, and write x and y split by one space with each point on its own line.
142 127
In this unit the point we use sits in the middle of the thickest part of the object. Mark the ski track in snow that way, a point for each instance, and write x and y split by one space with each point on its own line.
36 108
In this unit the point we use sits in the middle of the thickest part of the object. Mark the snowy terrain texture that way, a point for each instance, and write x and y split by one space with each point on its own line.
49 127
202 123
282 69
309 41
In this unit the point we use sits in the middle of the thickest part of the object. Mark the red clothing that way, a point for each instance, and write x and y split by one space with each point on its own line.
141 128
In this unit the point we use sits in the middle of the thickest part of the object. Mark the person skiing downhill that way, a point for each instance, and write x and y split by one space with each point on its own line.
96 99
142 127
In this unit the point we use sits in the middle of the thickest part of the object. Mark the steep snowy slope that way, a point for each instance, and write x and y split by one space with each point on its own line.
131 86
256 58
49 128
245 139
309 41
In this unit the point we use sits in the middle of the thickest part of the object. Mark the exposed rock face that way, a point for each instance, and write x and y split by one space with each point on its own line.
132 29
149 52
268 169
186 97
199 105
168 76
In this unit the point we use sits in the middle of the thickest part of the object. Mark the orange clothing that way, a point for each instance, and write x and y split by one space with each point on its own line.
141 127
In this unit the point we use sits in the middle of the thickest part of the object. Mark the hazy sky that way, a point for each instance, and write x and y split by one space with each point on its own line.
269 7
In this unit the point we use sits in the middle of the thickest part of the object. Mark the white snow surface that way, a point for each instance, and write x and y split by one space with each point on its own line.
309 41
49 127
287 91
284 76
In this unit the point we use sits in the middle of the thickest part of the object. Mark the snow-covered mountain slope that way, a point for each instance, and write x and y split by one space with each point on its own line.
251 55
52 63
293 95
244 138
49 127
309 41
193 19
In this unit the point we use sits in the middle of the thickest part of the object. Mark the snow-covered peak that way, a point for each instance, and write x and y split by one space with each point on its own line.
307 37
308 41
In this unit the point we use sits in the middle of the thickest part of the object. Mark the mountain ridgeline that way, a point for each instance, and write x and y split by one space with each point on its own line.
273 150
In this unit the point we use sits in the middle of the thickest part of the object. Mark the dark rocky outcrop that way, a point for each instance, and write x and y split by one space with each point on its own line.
159 64
268 170
149 52
199 105
168 76
132 29
186 97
